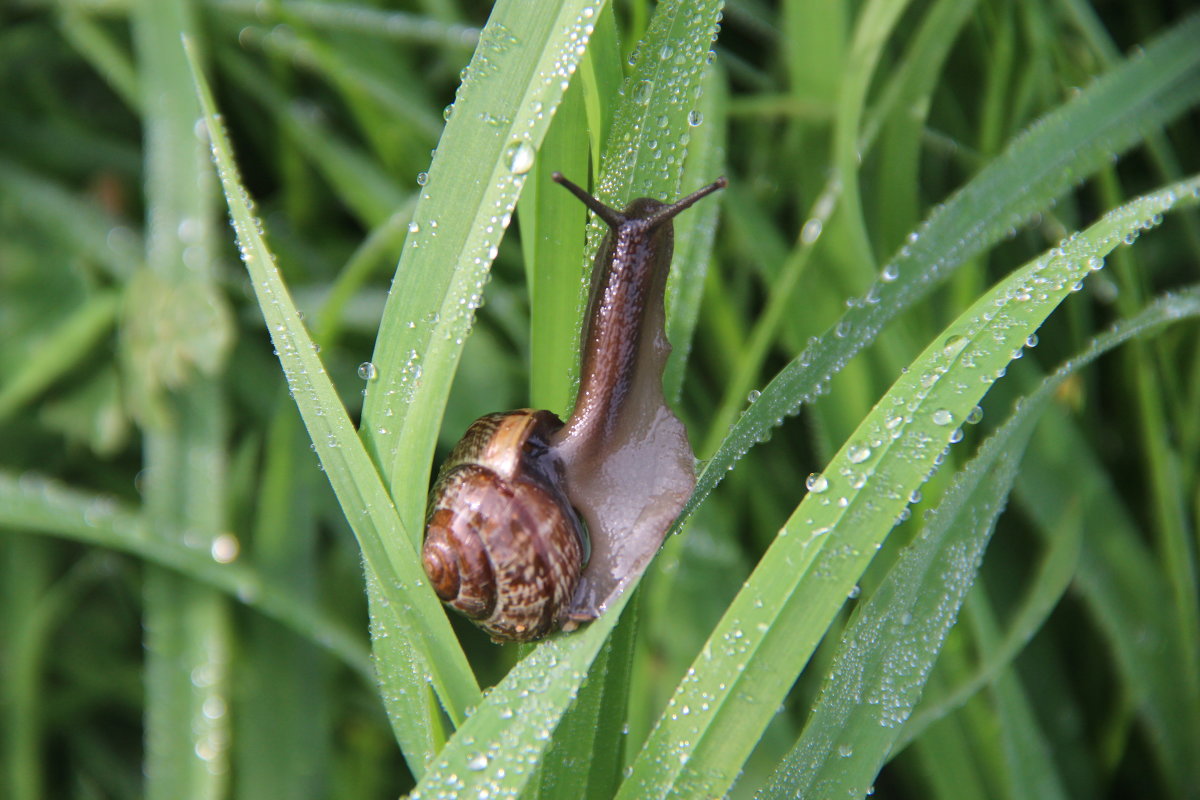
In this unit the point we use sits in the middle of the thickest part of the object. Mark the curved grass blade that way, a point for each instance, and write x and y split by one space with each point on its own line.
862 714
411 612
32 503
757 649
1057 151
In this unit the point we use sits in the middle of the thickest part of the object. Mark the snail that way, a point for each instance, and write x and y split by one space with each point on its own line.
535 524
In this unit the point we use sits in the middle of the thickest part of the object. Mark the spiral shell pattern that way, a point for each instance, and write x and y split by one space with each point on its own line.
502 544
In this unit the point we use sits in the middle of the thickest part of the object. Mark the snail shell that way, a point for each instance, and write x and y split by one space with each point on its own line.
507 533
503 544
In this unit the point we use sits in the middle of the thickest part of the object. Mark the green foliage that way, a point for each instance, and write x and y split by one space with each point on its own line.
969 569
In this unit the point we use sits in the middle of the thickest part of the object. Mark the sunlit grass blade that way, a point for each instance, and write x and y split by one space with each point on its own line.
552 243
411 612
862 715
1061 149
769 631
893 640
867 47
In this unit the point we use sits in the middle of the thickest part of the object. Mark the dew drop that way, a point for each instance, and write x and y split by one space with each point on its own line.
520 158
367 371
225 548
942 417
811 231
642 93
816 483
858 453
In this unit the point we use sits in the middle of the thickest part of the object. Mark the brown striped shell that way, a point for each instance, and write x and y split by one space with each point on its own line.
503 544
507 534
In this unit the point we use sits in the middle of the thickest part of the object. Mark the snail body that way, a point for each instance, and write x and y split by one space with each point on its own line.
535 524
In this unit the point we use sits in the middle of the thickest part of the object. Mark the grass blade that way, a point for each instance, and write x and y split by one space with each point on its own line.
411 612
895 638
1058 151
772 627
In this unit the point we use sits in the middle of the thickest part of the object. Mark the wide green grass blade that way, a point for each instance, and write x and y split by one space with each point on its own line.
862 715
772 627
1046 160
893 641
410 612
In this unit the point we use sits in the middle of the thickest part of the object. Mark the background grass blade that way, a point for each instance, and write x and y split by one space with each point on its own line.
1063 148
35 504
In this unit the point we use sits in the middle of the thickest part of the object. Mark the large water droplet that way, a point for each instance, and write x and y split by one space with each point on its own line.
520 158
